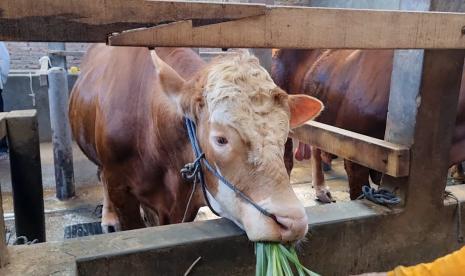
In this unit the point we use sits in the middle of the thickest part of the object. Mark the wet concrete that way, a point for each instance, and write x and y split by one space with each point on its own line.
82 208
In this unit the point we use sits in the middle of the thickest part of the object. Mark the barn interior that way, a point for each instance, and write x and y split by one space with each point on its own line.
345 236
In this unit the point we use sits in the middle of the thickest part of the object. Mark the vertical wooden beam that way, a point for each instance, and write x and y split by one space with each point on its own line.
3 244
26 174
434 127
406 97
264 55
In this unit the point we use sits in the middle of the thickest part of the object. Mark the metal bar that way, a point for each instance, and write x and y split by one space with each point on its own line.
26 174
61 133
57 60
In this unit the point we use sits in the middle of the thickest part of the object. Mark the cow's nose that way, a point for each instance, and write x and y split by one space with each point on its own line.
292 229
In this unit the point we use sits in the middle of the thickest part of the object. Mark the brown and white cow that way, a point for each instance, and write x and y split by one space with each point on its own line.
126 113
354 85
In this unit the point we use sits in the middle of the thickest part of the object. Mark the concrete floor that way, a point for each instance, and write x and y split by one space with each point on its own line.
81 209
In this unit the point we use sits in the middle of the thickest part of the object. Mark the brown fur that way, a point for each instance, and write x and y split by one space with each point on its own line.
354 86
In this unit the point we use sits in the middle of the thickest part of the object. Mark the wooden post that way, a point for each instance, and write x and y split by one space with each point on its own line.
26 174
3 245
61 133
264 55
404 98
406 95
434 127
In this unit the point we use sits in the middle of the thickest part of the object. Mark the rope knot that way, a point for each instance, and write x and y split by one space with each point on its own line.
380 196
190 171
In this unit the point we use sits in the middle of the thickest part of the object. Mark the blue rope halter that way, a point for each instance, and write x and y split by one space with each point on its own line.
193 172
380 196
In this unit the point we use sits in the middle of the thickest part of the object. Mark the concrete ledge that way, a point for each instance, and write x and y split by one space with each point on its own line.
218 240
348 237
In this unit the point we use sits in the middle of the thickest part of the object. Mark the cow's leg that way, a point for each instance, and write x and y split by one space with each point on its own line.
289 156
318 179
110 222
326 160
457 173
358 177
150 217
122 202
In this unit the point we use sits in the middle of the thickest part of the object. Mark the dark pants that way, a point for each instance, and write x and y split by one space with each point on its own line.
3 144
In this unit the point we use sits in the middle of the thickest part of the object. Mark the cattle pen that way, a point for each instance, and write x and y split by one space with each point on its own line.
344 238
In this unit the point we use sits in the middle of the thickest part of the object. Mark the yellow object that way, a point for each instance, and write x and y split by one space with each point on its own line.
74 70
449 265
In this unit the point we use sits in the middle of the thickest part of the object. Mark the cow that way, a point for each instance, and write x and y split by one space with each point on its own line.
354 85
128 111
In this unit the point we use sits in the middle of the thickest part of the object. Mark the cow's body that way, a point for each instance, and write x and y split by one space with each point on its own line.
126 113
110 118
354 86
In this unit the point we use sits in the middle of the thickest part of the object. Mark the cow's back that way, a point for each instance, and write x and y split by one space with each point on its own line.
353 84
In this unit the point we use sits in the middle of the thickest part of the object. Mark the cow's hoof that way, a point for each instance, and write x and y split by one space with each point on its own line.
110 228
324 196
458 177
110 222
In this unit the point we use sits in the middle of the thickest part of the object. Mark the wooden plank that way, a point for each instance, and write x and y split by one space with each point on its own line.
294 27
260 26
374 153
93 20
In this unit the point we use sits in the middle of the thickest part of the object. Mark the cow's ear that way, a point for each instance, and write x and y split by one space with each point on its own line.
170 81
303 108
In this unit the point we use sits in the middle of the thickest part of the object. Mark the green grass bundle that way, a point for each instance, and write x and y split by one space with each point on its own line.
274 259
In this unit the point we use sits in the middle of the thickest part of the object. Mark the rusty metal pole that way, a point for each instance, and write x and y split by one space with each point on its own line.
61 133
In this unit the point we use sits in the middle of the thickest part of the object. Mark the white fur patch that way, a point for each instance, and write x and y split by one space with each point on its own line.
238 94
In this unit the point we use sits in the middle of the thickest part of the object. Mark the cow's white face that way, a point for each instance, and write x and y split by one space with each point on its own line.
243 120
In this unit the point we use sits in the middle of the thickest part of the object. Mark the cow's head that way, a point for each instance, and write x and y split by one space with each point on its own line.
243 120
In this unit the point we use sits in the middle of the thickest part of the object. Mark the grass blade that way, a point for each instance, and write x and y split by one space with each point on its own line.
261 259
301 266
274 259
285 265
269 257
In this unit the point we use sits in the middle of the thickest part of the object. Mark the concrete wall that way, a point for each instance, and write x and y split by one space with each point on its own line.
16 96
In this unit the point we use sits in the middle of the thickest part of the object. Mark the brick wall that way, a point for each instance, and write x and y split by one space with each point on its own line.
26 55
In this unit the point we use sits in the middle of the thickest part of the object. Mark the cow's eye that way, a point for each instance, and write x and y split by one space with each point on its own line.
221 140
